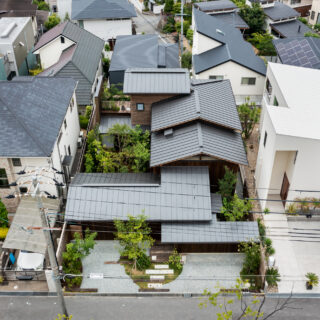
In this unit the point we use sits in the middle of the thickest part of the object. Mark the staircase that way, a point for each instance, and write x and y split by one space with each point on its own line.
161 252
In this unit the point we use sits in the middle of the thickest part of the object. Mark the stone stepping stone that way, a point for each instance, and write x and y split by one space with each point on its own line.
154 285
157 271
157 277
161 266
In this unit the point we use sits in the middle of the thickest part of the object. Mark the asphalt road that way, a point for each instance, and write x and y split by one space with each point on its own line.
118 308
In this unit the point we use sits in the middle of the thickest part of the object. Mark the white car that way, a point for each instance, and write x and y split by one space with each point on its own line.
30 261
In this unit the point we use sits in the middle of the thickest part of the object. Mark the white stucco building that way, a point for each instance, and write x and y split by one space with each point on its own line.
289 150
220 52
314 17
40 122
106 19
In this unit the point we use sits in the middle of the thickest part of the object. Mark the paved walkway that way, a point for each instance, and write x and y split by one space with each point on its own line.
119 281
207 271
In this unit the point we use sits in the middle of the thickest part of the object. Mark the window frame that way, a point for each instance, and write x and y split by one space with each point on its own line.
243 80
62 39
216 77
275 101
137 107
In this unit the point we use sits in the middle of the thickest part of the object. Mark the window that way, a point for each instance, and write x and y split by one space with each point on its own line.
312 15
265 138
248 81
16 162
69 151
81 24
216 77
4 183
54 8
295 1
295 157
269 87
23 189
140 106
62 39
60 137
65 123
275 101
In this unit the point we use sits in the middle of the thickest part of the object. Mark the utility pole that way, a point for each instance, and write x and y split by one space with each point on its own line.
181 38
51 253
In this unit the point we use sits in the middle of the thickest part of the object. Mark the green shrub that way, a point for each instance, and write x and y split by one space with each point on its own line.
107 47
237 209
186 25
3 215
303 20
186 60
272 276
312 278
227 184
143 262
262 228
42 5
317 27
83 121
190 35
311 34
168 7
88 112
3 232
52 21
175 260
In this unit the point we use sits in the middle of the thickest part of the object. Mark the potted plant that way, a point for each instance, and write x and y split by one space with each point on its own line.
312 280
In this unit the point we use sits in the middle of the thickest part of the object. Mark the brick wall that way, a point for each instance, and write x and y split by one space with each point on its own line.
144 117
11 204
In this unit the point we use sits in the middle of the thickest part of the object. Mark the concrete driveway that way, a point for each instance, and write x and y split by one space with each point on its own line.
118 281
207 271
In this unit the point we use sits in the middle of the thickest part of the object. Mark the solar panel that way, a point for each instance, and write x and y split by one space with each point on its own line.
298 53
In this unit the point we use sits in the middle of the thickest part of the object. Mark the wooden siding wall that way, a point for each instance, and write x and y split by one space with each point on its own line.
144 117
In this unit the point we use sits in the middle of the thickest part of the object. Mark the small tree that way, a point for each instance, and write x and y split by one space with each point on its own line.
254 17
52 21
250 307
66 17
237 209
134 237
227 184
168 6
249 115
186 60
3 215
175 260
263 42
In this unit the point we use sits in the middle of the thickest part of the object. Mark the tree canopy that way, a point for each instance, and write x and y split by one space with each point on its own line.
52 21
254 17
263 42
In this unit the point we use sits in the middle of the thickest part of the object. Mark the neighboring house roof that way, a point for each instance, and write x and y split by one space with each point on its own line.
280 11
212 232
182 195
210 101
18 24
232 48
215 5
143 51
232 18
102 9
17 8
300 52
290 29
108 121
197 139
31 115
300 88
156 81
80 61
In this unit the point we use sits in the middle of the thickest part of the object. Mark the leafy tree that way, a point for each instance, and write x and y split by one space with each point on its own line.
251 264
168 7
249 115
317 27
134 237
169 26
186 26
176 7
311 34
250 307
3 215
254 17
237 209
175 260
42 5
186 60
52 21
263 42
227 184
75 251
66 17
190 35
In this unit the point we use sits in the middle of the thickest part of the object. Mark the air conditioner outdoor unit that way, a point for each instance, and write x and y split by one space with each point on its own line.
79 143
10 56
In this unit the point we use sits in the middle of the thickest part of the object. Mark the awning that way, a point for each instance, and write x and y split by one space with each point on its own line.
28 215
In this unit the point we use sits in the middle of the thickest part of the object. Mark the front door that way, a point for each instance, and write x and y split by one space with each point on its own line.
284 189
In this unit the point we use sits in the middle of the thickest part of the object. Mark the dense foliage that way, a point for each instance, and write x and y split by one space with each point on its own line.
114 93
131 151
186 60
168 6
42 5
263 42
134 238
84 119
175 260
254 17
249 115
3 215
75 251
227 184
143 262
237 209
311 34
272 277
52 21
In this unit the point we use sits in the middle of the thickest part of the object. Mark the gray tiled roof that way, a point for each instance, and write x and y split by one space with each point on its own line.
215 5
31 115
210 100
156 81
209 232
299 51
280 11
142 51
197 139
216 202
80 61
290 29
102 9
232 18
183 195
232 48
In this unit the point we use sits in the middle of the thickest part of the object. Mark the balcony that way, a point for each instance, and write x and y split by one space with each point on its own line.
115 107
